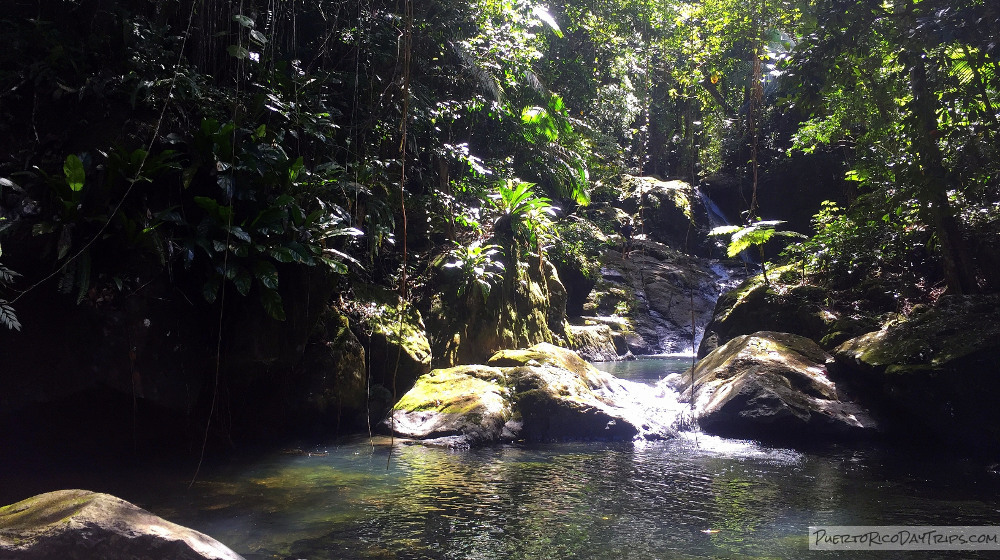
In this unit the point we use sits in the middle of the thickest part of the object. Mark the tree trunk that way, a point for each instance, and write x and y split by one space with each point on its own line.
958 269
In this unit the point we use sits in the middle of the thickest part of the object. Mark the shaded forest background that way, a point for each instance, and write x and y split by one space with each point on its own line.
236 166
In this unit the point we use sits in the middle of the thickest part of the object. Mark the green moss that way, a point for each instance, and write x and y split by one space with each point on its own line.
45 509
457 390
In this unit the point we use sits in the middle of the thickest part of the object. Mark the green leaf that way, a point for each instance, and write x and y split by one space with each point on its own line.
75 175
240 234
7 316
210 290
725 230
295 169
267 274
187 176
282 254
271 300
543 14
243 281
244 21
65 242
239 52
258 37
335 265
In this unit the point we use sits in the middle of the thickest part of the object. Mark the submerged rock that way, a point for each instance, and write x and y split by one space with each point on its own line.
542 393
84 525
773 386
937 369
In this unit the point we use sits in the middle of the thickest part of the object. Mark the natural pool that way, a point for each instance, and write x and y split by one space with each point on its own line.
692 497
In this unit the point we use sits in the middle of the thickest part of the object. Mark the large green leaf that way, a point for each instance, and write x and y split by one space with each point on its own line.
271 300
73 170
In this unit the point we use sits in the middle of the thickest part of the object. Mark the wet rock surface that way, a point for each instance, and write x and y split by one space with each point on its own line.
84 525
936 368
544 393
660 291
775 387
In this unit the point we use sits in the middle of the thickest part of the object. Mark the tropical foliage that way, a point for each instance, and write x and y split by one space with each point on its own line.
227 146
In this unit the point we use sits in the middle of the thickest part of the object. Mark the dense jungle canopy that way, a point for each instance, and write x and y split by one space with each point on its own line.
231 153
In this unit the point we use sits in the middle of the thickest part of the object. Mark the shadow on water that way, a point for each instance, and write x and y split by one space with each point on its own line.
695 496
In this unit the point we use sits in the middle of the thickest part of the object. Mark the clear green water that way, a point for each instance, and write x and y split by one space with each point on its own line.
692 497
647 370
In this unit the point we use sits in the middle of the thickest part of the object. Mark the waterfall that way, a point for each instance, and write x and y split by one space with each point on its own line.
716 218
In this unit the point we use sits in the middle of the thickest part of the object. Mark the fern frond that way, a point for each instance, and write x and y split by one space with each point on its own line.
7 275
7 316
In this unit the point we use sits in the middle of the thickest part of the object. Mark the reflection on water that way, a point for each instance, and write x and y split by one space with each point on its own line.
648 370
694 497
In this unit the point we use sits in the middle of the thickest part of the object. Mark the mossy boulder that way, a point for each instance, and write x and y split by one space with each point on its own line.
527 306
84 525
329 388
775 387
542 393
755 306
935 369
462 405
399 350
671 211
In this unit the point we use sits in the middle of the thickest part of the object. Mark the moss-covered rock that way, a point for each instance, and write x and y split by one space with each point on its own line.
468 405
527 307
399 350
773 386
83 525
755 306
538 394
937 369
329 389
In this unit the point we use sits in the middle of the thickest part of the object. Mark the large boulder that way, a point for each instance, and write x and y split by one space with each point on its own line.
398 350
542 393
801 309
936 369
458 406
671 212
329 388
84 525
772 386
527 306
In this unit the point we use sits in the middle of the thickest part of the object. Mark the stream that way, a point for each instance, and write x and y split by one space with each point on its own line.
696 496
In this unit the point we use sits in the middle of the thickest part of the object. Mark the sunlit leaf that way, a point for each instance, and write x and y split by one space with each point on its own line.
73 170
543 14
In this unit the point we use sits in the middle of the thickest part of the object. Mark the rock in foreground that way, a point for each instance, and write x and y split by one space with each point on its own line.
543 393
936 369
773 386
84 525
